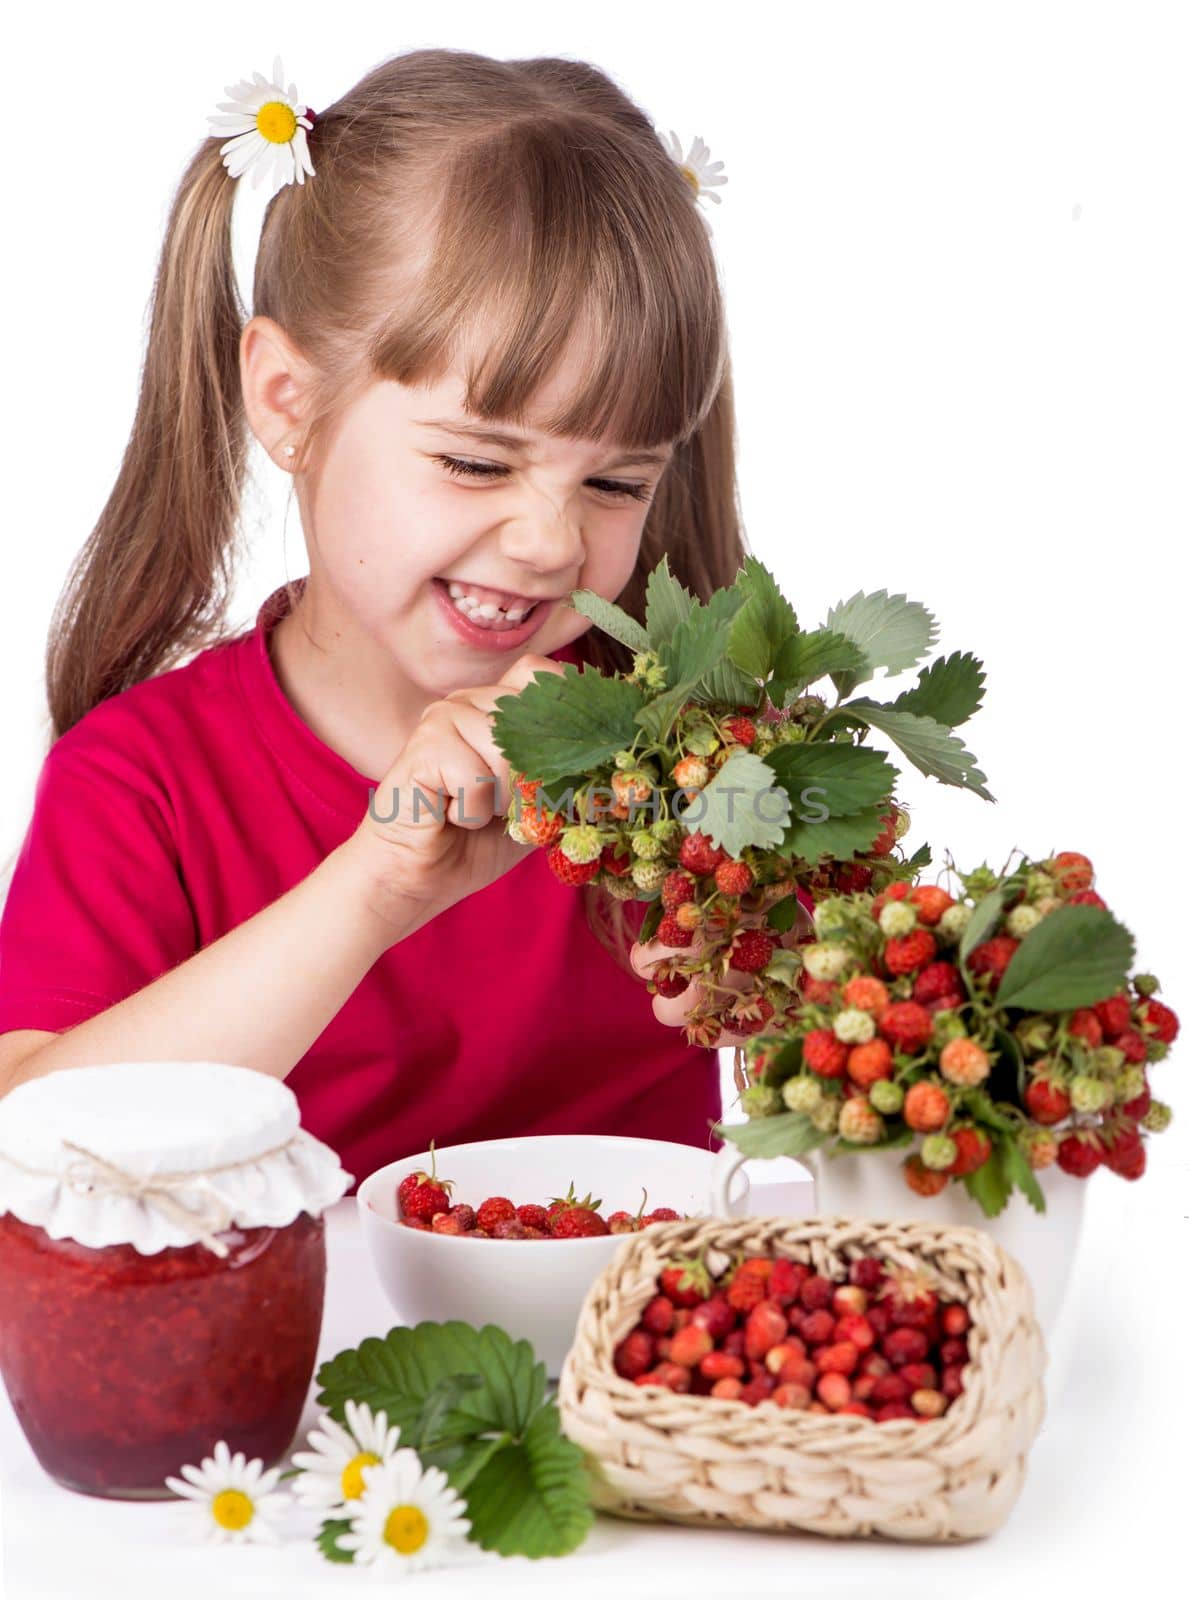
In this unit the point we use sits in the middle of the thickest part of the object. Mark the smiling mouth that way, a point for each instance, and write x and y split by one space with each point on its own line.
488 607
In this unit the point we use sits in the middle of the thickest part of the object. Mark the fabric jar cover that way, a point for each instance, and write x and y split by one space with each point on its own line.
159 1154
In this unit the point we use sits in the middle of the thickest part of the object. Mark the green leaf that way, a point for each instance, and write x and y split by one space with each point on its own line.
439 1402
990 1186
1076 956
840 837
532 1498
983 918
764 622
805 657
1017 1171
949 691
921 857
610 618
783 915
666 603
789 1133
741 805
892 631
564 723
932 749
895 1141
699 642
398 1374
472 1458
326 1536
840 779
651 921
726 685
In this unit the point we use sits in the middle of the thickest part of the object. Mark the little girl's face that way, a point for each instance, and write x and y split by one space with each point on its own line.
421 517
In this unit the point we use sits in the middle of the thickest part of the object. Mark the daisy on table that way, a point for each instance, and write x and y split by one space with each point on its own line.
407 1519
331 1476
232 1498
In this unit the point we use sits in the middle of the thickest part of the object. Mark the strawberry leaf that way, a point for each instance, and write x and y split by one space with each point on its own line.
763 623
803 658
1077 955
564 723
327 1536
666 603
932 749
741 805
840 837
789 1133
531 1498
610 619
892 631
983 919
990 1186
1017 1171
840 779
949 691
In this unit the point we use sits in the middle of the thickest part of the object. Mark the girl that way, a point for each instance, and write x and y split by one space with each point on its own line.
488 343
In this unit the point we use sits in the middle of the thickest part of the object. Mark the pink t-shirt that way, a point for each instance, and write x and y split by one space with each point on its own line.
174 811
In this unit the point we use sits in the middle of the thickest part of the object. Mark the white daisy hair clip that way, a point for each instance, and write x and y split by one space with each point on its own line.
268 125
702 174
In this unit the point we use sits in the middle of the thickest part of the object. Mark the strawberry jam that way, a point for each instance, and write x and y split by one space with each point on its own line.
122 1366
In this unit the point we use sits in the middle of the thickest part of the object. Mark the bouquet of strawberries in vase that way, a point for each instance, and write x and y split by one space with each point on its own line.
716 778
989 1033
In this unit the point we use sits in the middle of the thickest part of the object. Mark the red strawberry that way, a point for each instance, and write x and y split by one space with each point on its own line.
418 1222
868 1063
903 1345
1072 871
850 877
700 855
533 1216
540 826
1158 1020
817 1292
867 1272
894 891
1140 1106
926 1107
939 980
616 859
633 1354
571 872
886 842
686 1282
670 931
657 1315
424 1194
661 1214
991 958
571 1218
921 1179
1122 1146
974 1149
1132 1045
733 877
717 1316
931 902
740 729
766 1326
1046 1100
910 1298
751 950
906 1026
677 889
1114 1014
718 1364
817 1327
909 954
785 1280
509 1228
955 1321
817 991
746 1290
1087 897
824 1054
1084 1024
670 984
1079 1153
496 1209
689 1345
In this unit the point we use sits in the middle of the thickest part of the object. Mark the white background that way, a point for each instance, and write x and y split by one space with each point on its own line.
955 250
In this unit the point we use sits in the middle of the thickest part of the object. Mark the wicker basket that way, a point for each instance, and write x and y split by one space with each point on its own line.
693 1459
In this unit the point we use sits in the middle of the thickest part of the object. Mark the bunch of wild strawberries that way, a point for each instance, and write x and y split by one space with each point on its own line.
622 833
895 1038
423 1202
883 1344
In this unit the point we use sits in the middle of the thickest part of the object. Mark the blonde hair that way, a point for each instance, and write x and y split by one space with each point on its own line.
460 202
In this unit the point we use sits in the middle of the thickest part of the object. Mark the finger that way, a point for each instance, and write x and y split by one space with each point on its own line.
522 671
439 778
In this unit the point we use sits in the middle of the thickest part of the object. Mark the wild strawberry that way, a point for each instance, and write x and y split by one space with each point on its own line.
792 1396
1114 1014
633 1354
906 1344
909 954
760 1388
1046 1100
953 1352
817 991
1132 1163
833 1389
668 1375
1158 1020
660 1214
919 1178
952 1382
570 872
691 772
424 1194
616 859
1079 1153
991 959
727 1389
1087 897
1132 1045
964 1062
842 1356
854 1328
533 1216
670 931
939 980
718 1364
1083 1024
686 1282
906 1026
493 1210
889 1389
444 1222
859 1123
751 950
817 1327
867 1272
418 1222
508 1228
850 877
868 1063
939 1152
885 843
669 984
750 1013
700 855
1121 1139
849 1300
817 1292
926 1107
577 1222
974 1150
898 919
928 1403
918 1375
657 1315
894 891
766 1326
623 1222
955 1321
1039 1147
733 877
931 902
910 1296
689 1345
866 993
824 1054
739 729
677 889
716 1315
1071 871
785 1280
540 826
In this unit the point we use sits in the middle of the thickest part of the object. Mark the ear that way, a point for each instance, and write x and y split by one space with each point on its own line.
275 379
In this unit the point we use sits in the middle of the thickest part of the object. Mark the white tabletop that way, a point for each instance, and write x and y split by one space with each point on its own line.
1101 1504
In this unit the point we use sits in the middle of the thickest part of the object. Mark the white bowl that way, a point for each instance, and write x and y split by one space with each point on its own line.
532 1288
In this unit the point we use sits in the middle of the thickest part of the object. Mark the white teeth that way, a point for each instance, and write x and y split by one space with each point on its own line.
485 612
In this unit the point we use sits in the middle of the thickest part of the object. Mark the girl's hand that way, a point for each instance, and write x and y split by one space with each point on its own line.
673 1009
456 842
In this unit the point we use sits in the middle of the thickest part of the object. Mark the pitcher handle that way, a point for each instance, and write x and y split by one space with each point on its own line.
728 1164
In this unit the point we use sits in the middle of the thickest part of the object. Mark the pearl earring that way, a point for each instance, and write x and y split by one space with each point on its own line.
290 449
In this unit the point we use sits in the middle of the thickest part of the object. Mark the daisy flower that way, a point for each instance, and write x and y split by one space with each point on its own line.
269 125
331 1479
699 172
407 1518
231 1497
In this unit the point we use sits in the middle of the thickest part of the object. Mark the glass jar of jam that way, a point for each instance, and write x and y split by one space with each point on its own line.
162 1268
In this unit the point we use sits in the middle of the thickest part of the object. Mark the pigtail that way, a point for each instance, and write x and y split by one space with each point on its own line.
153 577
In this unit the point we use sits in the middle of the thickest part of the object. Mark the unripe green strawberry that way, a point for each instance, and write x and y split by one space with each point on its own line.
938 1151
903 823
830 913
802 1094
760 1100
897 919
824 1116
1157 1117
1035 1035
619 888
1145 984
581 843
1157 1049
648 875
701 741
826 961
953 922
807 708
887 1097
514 831
625 760
1108 1060
646 845
790 733
1022 920
765 740
1089 1094
859 1123
1131 1084
1038 885
947 1026
668 830
853 1026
